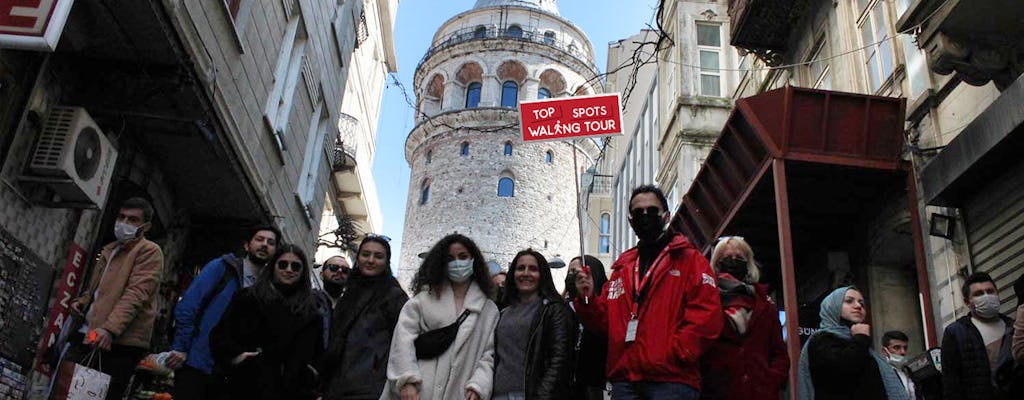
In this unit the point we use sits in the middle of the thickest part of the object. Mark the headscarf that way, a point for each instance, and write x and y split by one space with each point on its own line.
830 314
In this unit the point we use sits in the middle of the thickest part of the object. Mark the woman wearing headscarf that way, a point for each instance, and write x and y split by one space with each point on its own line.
270 335
364 321
452 308
536 335
749 359
589 378
837 361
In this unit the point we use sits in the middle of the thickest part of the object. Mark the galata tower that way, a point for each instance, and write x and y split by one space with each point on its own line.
471 172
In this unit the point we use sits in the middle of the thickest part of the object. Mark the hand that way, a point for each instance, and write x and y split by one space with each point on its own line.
861 329
244 356
99 338
78 308
584 283
176 359
410 392
472 395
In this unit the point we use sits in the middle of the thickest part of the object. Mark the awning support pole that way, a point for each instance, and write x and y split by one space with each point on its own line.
788 272
923 282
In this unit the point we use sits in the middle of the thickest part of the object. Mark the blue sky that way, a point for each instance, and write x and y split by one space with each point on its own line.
603 21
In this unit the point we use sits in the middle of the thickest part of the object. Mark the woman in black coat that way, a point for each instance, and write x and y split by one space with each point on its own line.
592 355
270 335
536 335
364 320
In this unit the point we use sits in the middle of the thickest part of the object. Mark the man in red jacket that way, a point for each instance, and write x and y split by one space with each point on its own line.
660 309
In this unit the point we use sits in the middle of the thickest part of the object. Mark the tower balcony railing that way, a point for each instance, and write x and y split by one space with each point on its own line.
525 34
345 145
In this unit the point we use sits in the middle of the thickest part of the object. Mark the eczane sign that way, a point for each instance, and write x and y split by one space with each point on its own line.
570 117
32 24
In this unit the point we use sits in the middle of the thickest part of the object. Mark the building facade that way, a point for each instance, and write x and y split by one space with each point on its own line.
222 113
471 172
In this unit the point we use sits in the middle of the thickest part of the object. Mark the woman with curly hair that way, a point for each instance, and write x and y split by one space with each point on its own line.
443 345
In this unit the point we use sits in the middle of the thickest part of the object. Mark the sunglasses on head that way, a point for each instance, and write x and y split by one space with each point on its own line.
376 236
336 268
724 238
639 212
295 266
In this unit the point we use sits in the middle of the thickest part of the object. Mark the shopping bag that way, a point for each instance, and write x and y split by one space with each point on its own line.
80 381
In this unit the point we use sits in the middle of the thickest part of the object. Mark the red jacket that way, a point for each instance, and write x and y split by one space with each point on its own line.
679 317
755 366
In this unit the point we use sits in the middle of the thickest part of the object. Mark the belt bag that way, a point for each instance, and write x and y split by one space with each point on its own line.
432 344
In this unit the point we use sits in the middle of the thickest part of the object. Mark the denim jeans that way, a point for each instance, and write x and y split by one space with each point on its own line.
644 390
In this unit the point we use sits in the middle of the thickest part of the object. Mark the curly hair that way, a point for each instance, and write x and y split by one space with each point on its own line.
433 272
545 287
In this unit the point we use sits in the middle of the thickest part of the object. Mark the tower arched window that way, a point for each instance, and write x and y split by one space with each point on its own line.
508 148
606 234
473 95
509 94
549 37
506 187
480 32
549 157
424 192
515 31
430 155
543 93
464 149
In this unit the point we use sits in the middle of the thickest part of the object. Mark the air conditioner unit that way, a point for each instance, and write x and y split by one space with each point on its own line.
76 157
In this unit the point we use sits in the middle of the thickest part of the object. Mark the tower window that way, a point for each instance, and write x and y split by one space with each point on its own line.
543 93
424 192
430 154
549 157
549 37
506 187
508 148
473 95
509 94
480 32
515 31
464 149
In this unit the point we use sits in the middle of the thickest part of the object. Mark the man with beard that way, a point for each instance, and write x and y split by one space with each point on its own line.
201 307
334 275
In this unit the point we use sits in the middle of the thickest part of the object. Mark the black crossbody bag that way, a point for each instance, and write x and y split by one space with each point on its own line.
430 345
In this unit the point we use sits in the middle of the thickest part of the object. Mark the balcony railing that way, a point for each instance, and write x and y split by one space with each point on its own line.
762 27
345 145
602 184
523 34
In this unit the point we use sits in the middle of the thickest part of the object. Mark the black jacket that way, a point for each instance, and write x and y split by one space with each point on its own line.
289 344
966 373
550 352
844 368
356 360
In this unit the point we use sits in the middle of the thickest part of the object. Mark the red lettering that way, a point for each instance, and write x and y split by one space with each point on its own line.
25 16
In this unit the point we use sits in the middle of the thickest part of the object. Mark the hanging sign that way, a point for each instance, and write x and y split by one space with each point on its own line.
32 24
571 117
60 313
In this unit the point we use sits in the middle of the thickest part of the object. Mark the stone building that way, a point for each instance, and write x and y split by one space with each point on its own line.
471 172
222 113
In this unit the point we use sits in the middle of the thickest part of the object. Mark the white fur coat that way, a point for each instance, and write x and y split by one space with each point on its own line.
468 363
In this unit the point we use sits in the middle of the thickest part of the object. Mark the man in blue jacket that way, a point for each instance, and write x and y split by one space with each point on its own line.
203 304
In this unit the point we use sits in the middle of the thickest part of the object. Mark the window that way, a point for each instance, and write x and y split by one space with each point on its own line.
549 157
917 68
509 94
709 47
817 70
606 234
313 155
506 187
464 149
543 93
286 78
480 32
874 33
473 95
508 148
549 37
515 31
424 192
430 154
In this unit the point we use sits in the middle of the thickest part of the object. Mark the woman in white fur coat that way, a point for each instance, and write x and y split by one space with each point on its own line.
453 278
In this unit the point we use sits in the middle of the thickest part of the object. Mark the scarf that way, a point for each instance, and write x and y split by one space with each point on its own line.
737 302
831 309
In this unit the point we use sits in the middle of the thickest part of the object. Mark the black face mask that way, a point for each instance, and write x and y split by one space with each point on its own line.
648 226
333 288
570 284
737 267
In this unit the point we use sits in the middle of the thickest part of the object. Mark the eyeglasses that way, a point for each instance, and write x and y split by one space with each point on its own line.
295 266
639 212
376 236
336 267
724 238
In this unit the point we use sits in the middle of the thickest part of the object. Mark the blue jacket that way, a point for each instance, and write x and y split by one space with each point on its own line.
200 309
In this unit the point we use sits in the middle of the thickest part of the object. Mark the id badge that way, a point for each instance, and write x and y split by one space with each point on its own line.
631 331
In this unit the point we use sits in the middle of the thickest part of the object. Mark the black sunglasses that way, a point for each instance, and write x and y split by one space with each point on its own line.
295 266
376 236
335 268
639 212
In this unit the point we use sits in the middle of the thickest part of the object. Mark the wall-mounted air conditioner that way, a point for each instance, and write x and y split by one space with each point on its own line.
73 157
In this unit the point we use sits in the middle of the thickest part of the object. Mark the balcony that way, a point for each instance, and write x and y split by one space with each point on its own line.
763 27
523 34
344 154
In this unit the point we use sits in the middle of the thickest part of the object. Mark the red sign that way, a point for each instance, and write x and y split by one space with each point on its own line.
66 290
570 117
32 24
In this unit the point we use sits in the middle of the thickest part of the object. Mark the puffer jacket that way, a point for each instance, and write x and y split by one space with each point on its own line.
966 372
549 352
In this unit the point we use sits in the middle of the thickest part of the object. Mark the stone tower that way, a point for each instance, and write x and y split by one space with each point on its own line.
470 170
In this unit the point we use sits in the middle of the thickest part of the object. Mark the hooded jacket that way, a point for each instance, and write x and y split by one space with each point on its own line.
202 306
680 316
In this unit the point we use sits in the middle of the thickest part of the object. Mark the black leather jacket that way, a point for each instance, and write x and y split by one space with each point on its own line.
550 352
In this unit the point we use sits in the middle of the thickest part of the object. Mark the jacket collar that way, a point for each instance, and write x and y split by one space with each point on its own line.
125 246
677 243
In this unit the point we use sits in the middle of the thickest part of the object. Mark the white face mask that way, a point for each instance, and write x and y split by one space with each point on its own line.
986 306
460 270
124 231
896 360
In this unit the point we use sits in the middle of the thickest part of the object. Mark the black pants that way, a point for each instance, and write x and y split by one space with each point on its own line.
193 384
119 363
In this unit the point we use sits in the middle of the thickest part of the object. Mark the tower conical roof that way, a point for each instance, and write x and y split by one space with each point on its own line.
550 6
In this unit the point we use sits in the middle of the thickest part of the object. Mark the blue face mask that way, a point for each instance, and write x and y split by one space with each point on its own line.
460 270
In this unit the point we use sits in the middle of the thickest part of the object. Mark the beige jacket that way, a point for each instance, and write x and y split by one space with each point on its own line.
1018 336
126 303
468 363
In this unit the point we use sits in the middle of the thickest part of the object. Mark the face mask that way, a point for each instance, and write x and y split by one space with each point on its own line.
124 231
460 270
986 306
896 360
733 266
648 226
570 284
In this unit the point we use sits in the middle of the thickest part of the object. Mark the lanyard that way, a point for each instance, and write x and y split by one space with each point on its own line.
640 285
